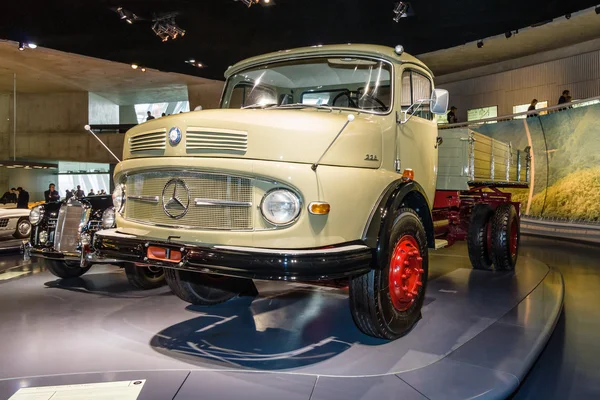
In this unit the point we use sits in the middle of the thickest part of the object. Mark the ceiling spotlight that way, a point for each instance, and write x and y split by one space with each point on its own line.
193 63
568 16
267 3
479 44
32 45
21 46
401 10
508 34
249 3
166 28
597 10
134 66
121 13
143 69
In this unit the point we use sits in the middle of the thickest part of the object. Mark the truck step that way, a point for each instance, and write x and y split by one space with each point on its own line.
440 244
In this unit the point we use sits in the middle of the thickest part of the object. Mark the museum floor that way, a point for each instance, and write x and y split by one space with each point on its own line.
479 335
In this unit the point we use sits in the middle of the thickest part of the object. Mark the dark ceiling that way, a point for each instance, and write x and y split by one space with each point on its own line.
222 32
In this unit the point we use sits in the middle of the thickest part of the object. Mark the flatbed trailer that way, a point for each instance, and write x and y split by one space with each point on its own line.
469 203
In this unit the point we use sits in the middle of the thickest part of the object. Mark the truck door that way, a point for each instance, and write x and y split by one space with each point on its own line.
416 138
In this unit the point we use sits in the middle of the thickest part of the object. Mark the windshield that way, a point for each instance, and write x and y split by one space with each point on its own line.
358 83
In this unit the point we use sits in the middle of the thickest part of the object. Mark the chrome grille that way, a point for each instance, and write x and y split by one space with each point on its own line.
3 222
66 235
153 141
216 141
223 202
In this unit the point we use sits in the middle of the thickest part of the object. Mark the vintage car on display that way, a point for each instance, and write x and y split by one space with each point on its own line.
62 239
322 165
14 222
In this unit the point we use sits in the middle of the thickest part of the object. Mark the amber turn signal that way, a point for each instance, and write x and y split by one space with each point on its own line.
408 174
319 208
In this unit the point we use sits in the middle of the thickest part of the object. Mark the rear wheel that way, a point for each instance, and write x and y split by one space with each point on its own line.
387 301
204 289
505 237
23 228
144 278
479 237
64 269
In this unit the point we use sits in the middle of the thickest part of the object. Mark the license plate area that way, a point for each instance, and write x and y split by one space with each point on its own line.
163 254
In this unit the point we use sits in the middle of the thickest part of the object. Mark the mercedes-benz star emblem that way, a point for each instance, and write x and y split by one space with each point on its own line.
176 198
174 136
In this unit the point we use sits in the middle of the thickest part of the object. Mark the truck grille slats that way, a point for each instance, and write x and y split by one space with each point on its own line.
154 141
224 202
66 235
213 141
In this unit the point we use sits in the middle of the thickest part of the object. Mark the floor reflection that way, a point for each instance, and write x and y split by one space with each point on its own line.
277 330
14 266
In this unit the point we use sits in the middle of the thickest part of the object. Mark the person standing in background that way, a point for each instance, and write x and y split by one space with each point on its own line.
532 108
91 193
563 99
68 194
452 119
150 116
23 200
80 194
51 194
9 197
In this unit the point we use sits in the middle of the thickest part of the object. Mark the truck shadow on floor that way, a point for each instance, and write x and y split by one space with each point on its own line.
109 284
274 331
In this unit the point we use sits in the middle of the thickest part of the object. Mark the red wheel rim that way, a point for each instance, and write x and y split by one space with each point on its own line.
406 273
514 238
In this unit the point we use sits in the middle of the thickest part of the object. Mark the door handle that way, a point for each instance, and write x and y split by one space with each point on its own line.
438 141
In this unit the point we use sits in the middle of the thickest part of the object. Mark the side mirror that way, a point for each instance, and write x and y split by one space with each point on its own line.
439 101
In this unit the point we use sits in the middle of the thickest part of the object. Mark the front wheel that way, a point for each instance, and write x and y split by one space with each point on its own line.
144 278
23 228
386 302
64 269
207 290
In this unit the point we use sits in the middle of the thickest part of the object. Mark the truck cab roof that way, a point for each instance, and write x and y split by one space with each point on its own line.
366 50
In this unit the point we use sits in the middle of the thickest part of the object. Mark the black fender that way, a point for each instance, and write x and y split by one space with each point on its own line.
398 194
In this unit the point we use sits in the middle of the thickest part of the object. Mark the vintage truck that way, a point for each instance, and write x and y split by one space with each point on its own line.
320 166
62 238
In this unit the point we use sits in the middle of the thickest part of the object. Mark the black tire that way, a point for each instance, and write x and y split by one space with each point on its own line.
203 289
144 278
371 301
20 232
65 269
478 244
505 237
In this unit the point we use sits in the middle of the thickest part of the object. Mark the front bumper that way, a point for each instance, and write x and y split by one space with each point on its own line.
51 254
245 262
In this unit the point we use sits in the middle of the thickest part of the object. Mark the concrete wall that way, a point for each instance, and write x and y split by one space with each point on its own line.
102 111
5 132
50 127
52 112
207 95
127 115
518 81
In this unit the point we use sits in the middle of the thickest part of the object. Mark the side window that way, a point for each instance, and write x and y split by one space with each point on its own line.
415 87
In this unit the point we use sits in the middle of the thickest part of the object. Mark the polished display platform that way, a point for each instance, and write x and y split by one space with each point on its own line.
480 333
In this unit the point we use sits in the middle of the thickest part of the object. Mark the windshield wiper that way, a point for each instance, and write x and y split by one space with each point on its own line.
259 105
301 105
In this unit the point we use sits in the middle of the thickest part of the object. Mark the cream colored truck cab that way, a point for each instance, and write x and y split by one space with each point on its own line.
320 165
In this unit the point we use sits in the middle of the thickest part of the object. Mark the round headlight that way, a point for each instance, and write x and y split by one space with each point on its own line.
108 218
119 197
280 206
36 214
43 237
